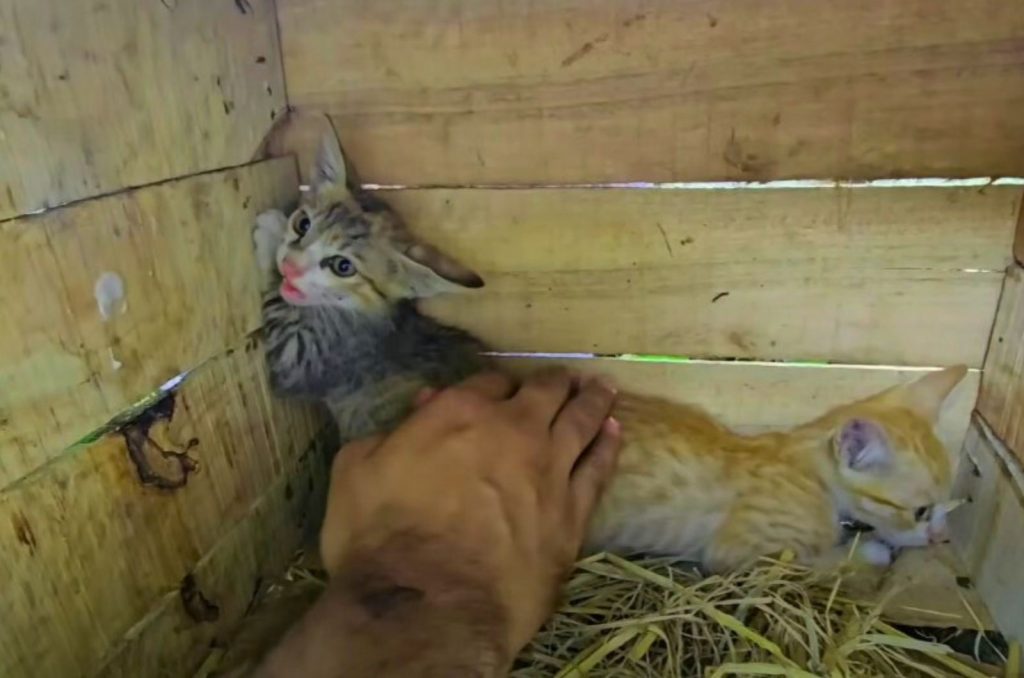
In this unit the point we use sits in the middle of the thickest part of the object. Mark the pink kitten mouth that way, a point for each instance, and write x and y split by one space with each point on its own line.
290 292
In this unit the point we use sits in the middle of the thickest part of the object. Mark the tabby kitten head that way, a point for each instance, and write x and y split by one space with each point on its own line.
894 471
347 249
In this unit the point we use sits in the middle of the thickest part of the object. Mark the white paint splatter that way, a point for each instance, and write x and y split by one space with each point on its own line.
109 293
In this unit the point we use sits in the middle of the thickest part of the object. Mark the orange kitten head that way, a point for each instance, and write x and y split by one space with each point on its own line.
345 248
894 471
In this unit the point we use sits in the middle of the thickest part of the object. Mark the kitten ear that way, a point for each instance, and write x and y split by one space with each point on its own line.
429 271
926 395
329 172
861 445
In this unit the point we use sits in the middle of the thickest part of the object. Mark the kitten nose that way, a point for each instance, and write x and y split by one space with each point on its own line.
289 269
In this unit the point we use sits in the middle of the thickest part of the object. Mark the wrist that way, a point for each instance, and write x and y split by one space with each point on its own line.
439 608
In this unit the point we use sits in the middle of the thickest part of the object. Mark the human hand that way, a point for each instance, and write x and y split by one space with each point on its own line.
483 495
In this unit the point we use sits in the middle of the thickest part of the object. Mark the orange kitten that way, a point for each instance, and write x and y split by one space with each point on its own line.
689 487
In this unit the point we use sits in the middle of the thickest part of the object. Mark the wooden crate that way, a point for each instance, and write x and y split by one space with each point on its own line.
131 169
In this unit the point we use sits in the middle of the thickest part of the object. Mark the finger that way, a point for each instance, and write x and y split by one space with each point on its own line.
580 421
543 394
491 385
590 477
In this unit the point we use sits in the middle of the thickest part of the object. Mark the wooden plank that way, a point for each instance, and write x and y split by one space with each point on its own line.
168 642
89 549
99 96
755 397
988 531
471 91
179 253
1002 389
924 587
1018 243
855 275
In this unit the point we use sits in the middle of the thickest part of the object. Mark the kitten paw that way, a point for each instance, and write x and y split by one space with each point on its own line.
875 553
267 237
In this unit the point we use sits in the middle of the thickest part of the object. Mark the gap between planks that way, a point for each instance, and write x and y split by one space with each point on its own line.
779 184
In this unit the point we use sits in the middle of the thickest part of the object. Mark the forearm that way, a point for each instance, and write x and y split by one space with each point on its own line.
396 616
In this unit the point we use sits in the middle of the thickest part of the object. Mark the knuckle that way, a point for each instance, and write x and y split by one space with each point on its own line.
464 401
552 377
584 417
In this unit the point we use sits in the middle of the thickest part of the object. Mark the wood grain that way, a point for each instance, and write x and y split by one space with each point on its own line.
1001 402
89 551
1018 242
168 642
182 251
462 92
100 96
753 398
854 275
988 531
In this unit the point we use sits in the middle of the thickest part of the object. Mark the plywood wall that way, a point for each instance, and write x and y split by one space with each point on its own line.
100 536
95 551
144 117
486 91
856 275
99 95
1002 397
115 296
989 529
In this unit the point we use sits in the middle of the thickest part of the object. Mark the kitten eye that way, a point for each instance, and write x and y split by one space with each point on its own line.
920 513
301 225
339 266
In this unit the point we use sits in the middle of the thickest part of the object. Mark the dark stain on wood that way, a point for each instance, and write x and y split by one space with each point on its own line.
197 606
584 49
737 157
720 295
664 239
636 18
164 469
739 340
23 531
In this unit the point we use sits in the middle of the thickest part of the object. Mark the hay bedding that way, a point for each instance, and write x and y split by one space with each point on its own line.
658 618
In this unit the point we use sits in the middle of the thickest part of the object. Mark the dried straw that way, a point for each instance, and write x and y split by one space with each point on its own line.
658 618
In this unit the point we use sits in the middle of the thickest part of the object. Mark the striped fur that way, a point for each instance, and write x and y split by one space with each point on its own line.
356 342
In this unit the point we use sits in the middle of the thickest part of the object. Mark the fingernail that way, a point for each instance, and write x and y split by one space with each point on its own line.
612 426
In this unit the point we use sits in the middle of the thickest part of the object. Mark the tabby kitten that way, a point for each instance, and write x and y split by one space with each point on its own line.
339 323
341 327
